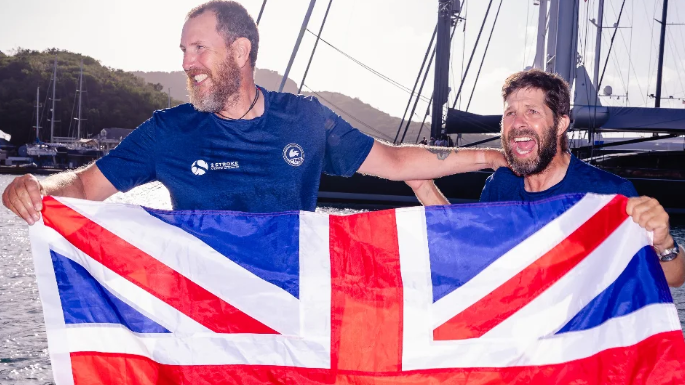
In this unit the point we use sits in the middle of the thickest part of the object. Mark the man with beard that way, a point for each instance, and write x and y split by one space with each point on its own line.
536 116
237 146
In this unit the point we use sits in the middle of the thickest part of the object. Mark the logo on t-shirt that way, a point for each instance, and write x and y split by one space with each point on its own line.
199 167
293 154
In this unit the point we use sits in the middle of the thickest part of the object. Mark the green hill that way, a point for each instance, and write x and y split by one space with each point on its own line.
112 98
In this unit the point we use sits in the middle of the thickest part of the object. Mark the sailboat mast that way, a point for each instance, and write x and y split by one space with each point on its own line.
598 47
442 64
54 86
80 92
660 69
38 114
539 61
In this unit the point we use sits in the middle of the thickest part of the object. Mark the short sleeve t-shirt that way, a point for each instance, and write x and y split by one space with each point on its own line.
268 164
504 185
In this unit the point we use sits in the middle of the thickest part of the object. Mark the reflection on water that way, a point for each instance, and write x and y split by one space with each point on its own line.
23 344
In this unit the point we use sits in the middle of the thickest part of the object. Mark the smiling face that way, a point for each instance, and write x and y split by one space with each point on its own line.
213 74
529 132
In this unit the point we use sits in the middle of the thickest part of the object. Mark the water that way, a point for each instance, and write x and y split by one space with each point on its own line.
23 344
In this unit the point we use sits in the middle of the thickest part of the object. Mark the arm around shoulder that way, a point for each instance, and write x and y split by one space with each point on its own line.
404 163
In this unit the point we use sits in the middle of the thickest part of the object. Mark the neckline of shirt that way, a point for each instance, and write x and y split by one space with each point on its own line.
572 164
258 119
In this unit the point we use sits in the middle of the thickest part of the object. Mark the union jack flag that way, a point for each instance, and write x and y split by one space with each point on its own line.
566 290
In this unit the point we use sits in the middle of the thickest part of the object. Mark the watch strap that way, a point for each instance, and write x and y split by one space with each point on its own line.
671 253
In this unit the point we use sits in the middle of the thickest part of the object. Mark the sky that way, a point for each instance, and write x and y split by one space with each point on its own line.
389 36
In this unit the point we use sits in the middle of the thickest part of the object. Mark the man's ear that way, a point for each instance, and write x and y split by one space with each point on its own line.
564 122
241 51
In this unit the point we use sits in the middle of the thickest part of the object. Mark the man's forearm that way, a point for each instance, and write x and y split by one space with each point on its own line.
64 184
674 270
419 162
430 195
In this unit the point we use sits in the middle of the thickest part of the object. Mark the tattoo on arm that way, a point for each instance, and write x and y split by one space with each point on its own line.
442 154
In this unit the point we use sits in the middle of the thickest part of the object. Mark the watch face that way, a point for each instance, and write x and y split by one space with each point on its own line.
669 255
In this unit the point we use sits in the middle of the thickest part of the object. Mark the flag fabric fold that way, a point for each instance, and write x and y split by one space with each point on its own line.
566 290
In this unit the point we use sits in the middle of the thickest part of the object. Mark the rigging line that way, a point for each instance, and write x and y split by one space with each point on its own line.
475 83
670 42
651 25
630 53
681 32
682 37
611 45
461 86
261 11
618 68
423 82
587 28
630 60
463 44
423 122
525 41
347 113
425 57
311 57
43 113
387 79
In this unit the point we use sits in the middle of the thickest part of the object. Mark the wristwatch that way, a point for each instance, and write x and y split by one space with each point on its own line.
669 254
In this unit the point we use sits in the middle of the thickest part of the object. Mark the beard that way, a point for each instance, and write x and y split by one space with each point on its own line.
547 149
224 85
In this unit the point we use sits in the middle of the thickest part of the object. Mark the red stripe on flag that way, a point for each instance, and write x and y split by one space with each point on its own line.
655 360
525 286
366 287
147 272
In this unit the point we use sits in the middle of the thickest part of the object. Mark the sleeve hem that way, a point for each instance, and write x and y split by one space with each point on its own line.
360 160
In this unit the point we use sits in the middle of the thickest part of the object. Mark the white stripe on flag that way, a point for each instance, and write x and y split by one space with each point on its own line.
58 344
315 281
197 261
557 305
201 348
139 299
616 332
517 259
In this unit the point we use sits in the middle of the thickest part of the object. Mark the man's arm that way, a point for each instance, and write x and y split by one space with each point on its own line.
25 194
427 192
650 215
419 162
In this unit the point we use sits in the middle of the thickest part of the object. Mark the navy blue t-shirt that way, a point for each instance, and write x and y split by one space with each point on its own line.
504 185
268 164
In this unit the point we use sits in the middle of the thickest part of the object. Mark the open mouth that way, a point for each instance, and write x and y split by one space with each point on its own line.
523 145
199 78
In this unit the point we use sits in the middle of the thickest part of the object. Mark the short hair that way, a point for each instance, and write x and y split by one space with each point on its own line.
557 93
232 21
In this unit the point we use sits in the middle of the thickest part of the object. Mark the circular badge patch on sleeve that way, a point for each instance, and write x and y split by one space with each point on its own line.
293 154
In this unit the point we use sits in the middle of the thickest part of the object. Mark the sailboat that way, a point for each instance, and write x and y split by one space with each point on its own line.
60 152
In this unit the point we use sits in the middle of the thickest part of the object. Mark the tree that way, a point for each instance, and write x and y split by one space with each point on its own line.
111 97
